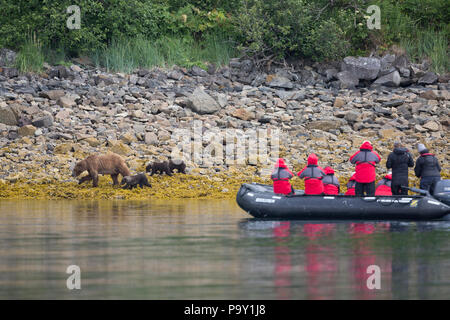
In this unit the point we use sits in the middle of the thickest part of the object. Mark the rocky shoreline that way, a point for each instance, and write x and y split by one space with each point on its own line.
49 121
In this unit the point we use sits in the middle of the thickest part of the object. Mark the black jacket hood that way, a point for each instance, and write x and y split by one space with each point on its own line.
400 150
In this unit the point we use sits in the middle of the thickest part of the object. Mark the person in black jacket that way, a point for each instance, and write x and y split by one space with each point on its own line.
427 168
398 161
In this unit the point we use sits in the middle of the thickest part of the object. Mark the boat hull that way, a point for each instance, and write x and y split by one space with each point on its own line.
260 202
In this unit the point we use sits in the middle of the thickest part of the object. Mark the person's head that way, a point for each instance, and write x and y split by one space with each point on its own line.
421 148
280 163
328 170
313 159
366 145
398 144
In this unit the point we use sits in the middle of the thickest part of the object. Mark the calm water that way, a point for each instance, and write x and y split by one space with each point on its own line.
211 250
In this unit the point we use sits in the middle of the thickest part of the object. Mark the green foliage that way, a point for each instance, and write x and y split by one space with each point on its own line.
101 21
426 13
30 57
193 21
198 30
291 28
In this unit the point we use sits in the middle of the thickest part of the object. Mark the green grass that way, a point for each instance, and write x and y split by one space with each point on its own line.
429 44
30 57
127 55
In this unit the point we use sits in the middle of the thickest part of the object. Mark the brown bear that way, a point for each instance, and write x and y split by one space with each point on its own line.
177 164
109 163
131 182
159 167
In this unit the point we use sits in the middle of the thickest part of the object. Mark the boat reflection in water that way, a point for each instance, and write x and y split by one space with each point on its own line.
315 260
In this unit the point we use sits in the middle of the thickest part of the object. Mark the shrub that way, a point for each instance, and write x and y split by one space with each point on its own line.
290 28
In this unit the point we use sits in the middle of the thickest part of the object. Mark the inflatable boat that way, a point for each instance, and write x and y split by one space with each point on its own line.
260 202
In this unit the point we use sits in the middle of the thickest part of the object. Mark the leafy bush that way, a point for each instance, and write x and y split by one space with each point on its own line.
290 28
101 21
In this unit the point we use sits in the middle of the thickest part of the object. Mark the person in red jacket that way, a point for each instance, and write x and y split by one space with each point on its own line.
365 160
351 186
330 182
313 175
280 176
384 186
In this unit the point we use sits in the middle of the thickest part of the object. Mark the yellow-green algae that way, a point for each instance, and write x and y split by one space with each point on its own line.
179 186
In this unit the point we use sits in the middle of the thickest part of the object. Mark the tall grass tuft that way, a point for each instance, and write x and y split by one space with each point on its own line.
127 55
30 57
429 44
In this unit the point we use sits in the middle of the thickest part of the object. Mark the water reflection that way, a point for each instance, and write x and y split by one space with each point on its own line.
209 250
333 257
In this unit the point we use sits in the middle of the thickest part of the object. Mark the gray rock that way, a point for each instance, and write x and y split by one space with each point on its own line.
7 57
390 80
351 116
8 116
331 74
197 71
66 102
404 72
327 125
201 102
45 121
381 110
429 78
9 72
347 79
279 82
386 65
393 103
235 63
52 94
246 65
363 68
175 75
106 79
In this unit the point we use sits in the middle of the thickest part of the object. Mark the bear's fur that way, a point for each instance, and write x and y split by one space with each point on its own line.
160 167
131 182
109 163
177 164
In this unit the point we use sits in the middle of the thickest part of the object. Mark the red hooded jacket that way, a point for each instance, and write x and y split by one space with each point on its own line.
351 186
313 175
330 182
280 176
384 186
365 160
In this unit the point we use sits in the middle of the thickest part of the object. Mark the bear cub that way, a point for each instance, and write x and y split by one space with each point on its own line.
131 182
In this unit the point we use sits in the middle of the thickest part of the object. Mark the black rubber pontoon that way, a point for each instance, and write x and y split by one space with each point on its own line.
260 202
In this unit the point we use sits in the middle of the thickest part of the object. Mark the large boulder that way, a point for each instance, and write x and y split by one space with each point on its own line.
201 102
390 80
347 79
363 68
387 64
